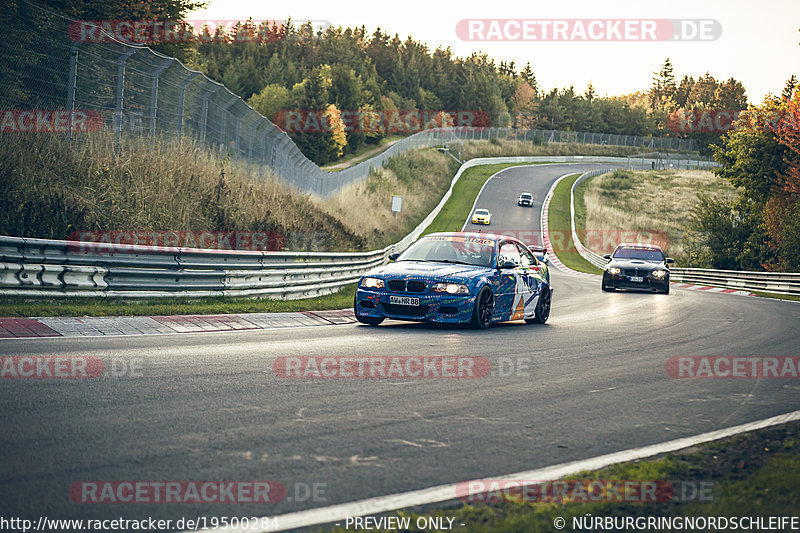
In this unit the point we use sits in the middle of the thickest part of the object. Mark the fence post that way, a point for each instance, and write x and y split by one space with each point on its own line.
73 74
185 82
120 91
154 95
204 120
225 120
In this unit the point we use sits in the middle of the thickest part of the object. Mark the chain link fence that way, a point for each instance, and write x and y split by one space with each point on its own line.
132 90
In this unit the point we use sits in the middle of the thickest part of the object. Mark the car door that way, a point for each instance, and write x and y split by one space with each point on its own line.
528 281
507 299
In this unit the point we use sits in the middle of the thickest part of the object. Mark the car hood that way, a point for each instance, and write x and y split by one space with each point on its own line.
636 263
430 269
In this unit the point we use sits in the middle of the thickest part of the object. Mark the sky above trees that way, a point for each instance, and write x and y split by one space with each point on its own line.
758 44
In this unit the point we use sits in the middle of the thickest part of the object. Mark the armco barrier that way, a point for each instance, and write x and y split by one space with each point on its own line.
774 282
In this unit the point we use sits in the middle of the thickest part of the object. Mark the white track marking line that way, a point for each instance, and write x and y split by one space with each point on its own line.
443 493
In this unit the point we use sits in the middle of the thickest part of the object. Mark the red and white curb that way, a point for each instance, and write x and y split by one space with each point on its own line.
556 262
15 328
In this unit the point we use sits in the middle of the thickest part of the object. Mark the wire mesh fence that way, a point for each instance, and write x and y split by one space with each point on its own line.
52 82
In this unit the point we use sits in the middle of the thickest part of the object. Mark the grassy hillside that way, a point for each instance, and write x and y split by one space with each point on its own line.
647 201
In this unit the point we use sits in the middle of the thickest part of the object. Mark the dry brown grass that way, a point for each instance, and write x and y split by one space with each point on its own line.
421 178
648 201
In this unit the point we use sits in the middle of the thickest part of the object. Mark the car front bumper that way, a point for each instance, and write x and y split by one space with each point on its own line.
648 283
448 309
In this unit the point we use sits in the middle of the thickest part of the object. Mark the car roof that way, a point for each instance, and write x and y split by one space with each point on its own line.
640 245
526 194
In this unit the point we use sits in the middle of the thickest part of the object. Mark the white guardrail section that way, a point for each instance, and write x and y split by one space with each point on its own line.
41 267
774 282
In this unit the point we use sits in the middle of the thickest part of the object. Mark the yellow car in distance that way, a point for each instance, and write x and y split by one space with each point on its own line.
481 216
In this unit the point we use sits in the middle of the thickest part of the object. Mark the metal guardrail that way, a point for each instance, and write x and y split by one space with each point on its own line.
774 282
594 258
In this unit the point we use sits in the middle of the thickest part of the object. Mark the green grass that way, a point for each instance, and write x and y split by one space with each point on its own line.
559 227
458 206
755 474
39 307
793 297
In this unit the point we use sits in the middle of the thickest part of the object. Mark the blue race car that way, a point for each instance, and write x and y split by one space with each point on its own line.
457 278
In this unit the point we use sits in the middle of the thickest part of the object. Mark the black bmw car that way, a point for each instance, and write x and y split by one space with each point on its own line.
637 266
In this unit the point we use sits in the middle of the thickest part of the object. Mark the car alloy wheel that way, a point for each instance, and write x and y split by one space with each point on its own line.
484 308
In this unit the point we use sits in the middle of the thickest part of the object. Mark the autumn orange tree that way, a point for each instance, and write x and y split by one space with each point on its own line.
760 156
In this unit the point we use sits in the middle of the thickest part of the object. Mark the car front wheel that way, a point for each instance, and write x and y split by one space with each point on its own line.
484 307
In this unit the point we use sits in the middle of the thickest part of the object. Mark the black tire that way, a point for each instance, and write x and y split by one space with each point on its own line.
666 290
542 312
368 320
483 309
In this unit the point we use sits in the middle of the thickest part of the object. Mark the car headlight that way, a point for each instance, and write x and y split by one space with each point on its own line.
659 273
614 271
372 283
450 288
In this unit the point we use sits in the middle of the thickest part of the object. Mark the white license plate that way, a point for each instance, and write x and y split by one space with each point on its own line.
637 279
403 300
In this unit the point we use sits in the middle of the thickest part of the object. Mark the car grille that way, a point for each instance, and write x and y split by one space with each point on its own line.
399 285
636 271
405 310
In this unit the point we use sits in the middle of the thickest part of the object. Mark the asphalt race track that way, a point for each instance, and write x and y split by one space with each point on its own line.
591 381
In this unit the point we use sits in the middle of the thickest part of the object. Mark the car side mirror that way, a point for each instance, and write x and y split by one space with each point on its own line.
607 256
670 260
394 256
508 264
545 259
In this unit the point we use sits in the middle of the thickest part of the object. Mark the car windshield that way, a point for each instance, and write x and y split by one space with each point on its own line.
526 195
481 212
451 249
636 252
